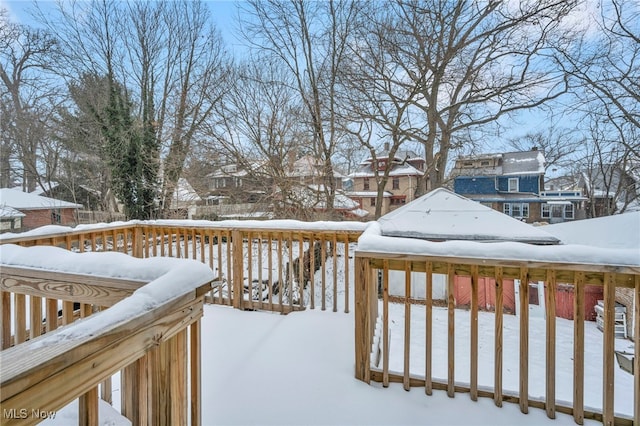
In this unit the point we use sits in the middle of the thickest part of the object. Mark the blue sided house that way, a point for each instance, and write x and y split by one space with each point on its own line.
513 183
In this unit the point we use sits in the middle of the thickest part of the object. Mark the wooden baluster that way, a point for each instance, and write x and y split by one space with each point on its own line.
363 319
52 314
346 274
290 272
407 325
194 246
451 322
550 299
280 277
230 278
201 237
636 359
67 312
608 348
5 306
270 270
385 323
195 357
473 379
497 395
301 280
312 270
335 272
135 391
524 340
260 278
238 269
250 269
428 372
20 318
88 408
36 317
323 254
578 348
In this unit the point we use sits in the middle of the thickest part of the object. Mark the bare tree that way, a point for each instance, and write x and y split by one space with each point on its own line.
561 147
260 131
169 60
470 63
27 103
310 40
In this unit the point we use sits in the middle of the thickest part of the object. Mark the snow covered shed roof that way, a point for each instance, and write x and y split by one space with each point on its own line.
621 231
24 201
443 215
7 212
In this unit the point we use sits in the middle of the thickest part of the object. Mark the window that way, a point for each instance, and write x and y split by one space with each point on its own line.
484 163
398 200
546 210
396 183
513 185
55 216
568 211
519 210
373 202
366 184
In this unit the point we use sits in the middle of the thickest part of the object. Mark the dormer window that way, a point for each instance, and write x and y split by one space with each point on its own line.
514 185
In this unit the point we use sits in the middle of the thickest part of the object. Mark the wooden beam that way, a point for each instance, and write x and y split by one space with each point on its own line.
385 325
428 374
451 337
362 320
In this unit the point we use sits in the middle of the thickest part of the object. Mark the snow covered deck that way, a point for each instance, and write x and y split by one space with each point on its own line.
284 253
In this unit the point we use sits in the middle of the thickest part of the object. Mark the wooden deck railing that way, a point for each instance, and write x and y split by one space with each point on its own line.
372 328
152 337
278 266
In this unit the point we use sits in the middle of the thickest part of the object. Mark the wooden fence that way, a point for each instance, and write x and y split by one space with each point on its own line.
372 327
44 367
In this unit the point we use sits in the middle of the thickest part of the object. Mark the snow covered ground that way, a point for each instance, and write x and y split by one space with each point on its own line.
270 369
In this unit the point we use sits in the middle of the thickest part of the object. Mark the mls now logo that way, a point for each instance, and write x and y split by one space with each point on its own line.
15 413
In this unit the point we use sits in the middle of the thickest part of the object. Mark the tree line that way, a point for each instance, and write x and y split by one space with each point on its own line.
127 97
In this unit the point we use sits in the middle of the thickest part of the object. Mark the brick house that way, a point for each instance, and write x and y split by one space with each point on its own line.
39 211
513 183
400 189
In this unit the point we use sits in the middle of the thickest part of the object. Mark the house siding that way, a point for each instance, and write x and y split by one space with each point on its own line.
36 218
528 184
474 185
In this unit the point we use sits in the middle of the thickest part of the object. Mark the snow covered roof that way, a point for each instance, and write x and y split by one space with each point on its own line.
617 231
525 162
24 201
7 212
444 215
184 195
405 169
368 194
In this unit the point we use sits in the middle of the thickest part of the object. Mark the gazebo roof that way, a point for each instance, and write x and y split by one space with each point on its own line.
443 215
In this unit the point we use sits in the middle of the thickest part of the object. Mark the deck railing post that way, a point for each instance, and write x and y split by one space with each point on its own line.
362 314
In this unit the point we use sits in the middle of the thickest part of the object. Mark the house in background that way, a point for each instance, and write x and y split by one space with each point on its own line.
610 189
10 219
406 168
38 210
513 183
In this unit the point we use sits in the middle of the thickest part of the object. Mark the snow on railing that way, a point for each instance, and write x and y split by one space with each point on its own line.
141 316
432 335
276 265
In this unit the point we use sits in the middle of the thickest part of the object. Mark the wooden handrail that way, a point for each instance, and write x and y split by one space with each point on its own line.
372 271
145 322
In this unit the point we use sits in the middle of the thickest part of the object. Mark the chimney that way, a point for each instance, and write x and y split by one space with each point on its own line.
386 146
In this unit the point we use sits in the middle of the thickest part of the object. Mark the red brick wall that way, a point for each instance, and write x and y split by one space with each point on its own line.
36 218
